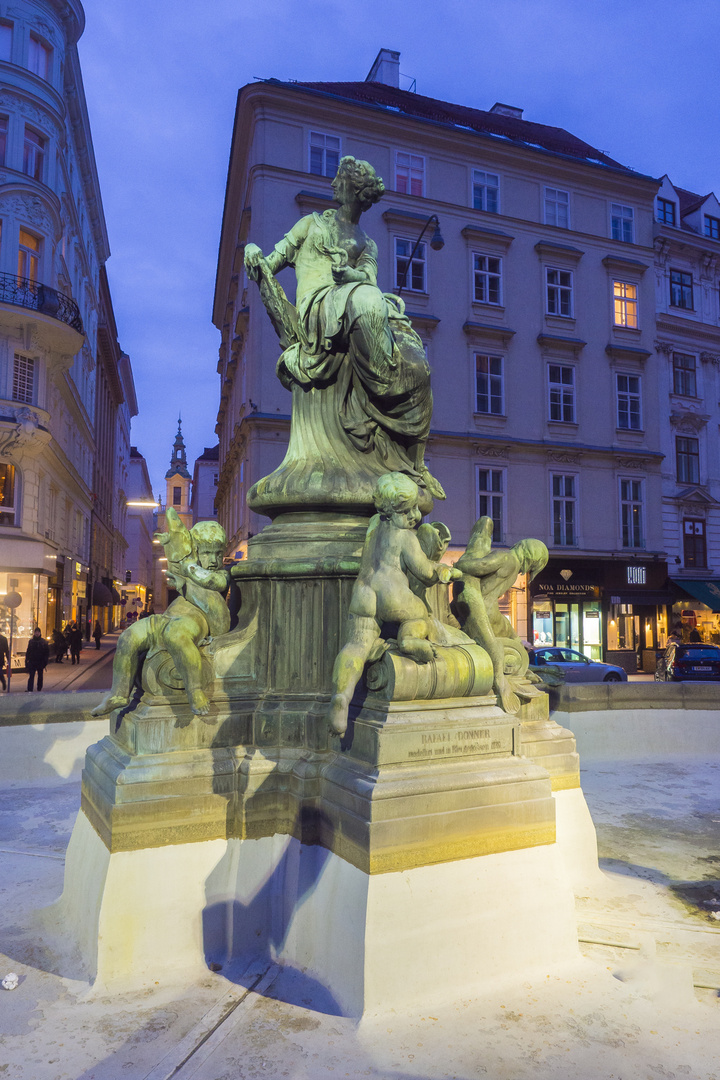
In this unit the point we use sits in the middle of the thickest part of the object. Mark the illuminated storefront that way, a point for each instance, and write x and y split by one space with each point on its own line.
31 612
609 609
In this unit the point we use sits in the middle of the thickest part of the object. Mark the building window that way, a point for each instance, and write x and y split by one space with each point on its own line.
694 546
7 493
628 402
28 256
177 496
324 154
490 499
487 279
622 223
561 382
39 57
486 189
684 375
712 227
687 457
681 290
631 507
557 207
489 382
3 138
216 479
33 154
625 304
559 291
409 275
409 174
666 211
23 388
5 41
564 516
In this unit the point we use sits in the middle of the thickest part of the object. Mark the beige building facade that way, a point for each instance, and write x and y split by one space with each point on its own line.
54 305
687 271
538 317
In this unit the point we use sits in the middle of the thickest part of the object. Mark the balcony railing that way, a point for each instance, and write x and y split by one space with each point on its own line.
32 294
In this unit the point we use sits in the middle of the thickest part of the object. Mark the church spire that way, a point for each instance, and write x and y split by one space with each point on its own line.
178 461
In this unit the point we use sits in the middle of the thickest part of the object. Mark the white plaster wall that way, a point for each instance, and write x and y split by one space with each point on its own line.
641 734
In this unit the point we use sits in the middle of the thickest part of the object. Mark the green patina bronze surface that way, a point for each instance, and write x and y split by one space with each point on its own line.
357 370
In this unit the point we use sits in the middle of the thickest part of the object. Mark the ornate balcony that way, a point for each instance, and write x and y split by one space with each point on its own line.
38 297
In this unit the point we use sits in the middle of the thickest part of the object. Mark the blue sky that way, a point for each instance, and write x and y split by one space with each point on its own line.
638 79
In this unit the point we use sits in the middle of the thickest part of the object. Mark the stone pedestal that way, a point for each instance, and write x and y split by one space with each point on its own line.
396 861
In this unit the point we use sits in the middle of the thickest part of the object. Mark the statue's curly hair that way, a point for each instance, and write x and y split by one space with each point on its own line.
368 185
210 534
394 491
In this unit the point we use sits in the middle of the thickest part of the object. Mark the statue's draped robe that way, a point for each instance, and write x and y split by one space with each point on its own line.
358 412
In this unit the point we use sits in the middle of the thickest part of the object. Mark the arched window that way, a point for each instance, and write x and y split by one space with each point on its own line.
8 493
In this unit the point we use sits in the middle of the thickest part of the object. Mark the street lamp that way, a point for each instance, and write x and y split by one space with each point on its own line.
12 600
437 243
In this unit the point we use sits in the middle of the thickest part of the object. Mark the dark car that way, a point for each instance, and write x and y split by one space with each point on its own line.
691 661
576 666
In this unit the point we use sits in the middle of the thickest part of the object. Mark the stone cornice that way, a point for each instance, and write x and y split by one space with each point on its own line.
688 328
549 250
554 343
310 201
627 352
689 422
483 235
625 266
479 333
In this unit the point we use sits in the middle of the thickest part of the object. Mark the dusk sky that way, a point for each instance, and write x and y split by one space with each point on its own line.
638 79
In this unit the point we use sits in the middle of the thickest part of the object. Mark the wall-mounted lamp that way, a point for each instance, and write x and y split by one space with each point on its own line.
437 243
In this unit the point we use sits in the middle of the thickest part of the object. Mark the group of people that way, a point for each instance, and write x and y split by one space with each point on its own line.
37 655
69 640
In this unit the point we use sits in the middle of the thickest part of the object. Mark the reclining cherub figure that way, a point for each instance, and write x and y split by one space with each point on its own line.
486 576
200 612
382 592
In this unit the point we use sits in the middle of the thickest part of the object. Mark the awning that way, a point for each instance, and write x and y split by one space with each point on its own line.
707 592
115 595
101 595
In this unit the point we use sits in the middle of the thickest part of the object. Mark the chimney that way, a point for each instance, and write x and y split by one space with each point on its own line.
507 110
385 69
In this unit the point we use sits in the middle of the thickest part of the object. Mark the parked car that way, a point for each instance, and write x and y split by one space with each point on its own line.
576 666
689 661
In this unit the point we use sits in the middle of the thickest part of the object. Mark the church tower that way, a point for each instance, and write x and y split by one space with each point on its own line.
178 481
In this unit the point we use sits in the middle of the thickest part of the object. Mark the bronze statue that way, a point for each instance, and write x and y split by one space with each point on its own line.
383 592
195 569
360 379
486 576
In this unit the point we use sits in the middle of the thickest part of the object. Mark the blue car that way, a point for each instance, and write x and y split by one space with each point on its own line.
576 666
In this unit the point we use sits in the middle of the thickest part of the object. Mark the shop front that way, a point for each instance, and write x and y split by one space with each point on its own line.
30 612
696 608
610 609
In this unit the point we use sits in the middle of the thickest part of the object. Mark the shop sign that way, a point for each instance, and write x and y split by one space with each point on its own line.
564 589
636 575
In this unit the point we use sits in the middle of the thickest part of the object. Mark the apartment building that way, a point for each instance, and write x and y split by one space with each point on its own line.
52 299
687 270
205 480
525 259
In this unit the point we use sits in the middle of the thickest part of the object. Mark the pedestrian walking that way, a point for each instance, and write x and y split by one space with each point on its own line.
74 636
60 645
36 659
97 634
4 658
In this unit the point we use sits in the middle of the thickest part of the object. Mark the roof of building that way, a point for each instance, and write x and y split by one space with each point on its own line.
689 200
210 453
134 452
520 132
